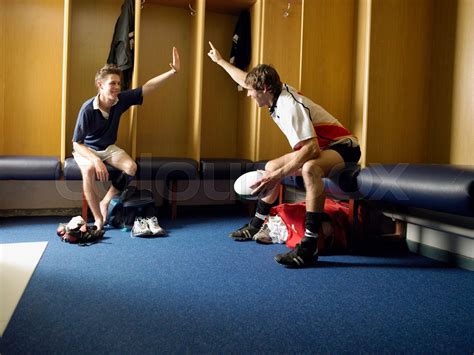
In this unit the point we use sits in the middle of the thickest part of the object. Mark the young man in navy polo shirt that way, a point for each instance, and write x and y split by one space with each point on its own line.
321 145
96 132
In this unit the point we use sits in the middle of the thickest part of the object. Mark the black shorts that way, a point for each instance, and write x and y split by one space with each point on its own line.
348 152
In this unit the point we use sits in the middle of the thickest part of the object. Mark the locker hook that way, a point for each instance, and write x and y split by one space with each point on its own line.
193 12
288 10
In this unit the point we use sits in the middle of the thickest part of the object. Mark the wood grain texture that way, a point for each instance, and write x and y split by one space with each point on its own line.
195 89
220 111
31 66
2 76
400 67
327 55
232 7
462 144
361 74
91 30
281 45
163 119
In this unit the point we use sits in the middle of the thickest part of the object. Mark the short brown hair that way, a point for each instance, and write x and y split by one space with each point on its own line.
264 76
107 70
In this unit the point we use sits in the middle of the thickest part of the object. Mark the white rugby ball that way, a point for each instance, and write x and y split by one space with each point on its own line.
243 183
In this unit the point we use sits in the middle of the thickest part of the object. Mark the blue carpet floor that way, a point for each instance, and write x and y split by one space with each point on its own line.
197 291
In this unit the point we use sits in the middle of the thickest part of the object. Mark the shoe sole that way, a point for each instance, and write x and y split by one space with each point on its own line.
141 235
298 266
265 241
162 234
240 239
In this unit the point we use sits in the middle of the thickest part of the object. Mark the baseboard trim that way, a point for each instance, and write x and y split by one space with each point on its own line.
441 255
42 212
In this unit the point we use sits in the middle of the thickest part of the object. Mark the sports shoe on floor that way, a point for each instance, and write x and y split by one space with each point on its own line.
140 228
245 233
263 235
154 227
305 254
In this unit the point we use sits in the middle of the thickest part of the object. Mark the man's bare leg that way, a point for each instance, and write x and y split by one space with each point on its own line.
313 171
104 204
124 163
91 194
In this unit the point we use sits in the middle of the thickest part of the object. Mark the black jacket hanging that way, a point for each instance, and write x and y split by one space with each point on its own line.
121 49
241 46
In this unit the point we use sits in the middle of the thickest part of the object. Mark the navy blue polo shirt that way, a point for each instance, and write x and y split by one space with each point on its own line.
97 132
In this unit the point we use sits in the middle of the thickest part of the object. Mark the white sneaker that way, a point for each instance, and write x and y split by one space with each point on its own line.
154 227
140 228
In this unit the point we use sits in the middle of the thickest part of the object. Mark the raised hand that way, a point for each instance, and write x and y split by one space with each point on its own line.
176 65
214 53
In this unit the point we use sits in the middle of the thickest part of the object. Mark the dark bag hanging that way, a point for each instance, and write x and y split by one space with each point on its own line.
241 46
121 48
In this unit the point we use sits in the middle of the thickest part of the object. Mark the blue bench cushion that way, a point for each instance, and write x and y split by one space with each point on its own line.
443 188
29 168
343 183
224 169
72 171
259 165
167 169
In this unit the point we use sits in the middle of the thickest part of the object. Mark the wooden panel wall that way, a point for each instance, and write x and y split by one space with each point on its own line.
361 71
64 76
398 98
195 90
442 74
410 62
2 76
281 45
463 86
31 76
162 123
91 31
247 129
327 55
220 114
132 127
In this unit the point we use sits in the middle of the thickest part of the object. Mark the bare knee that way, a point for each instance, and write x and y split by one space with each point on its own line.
311 172
271 166
130 168
88 172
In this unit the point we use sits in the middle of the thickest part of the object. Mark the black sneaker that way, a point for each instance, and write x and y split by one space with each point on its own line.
245 233
305 254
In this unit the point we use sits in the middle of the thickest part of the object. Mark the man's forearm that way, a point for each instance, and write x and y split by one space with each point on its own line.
157 81
235 73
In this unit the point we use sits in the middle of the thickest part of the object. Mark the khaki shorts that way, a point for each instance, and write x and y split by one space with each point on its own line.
111 151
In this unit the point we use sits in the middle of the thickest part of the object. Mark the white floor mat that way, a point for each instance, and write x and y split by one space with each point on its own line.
17 263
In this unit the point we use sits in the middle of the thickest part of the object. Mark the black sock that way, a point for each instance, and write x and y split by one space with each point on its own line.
263 209
313 223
